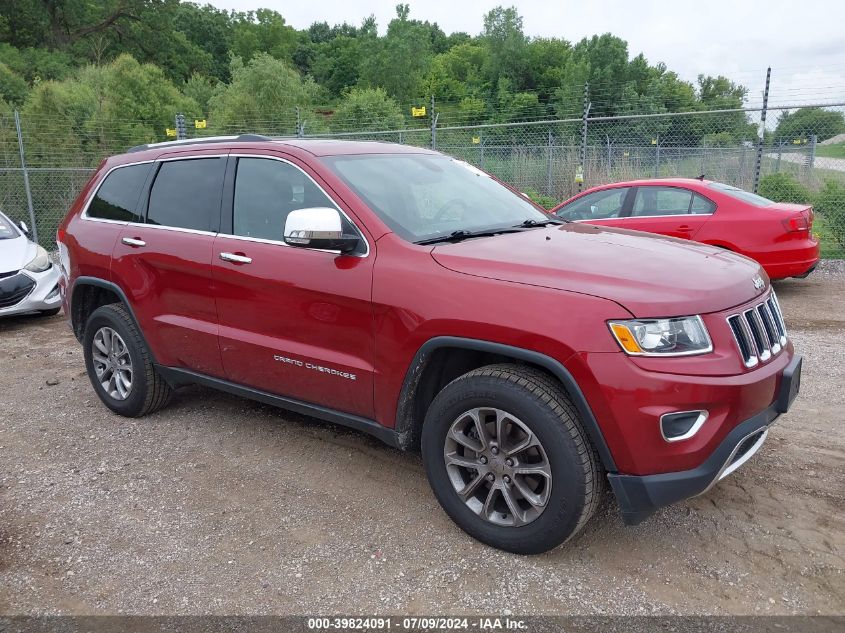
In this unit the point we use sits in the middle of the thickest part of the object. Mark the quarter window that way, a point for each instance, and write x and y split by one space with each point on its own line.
266 191
661 201
117 197
701 205
600 205
186 193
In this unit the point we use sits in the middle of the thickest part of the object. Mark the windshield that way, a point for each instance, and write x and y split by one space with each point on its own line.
739 194
422 196
7 229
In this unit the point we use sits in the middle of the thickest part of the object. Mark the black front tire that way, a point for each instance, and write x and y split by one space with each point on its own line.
149 391
539 401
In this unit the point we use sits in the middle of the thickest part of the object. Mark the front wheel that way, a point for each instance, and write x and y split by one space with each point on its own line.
119 365
508 459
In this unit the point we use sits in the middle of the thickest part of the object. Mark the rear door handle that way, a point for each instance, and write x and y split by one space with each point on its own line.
235 259
133 241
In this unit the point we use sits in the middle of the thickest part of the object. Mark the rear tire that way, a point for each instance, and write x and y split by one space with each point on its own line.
545 493
119 364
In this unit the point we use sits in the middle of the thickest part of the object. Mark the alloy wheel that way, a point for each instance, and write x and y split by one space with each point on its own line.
497 466
112 363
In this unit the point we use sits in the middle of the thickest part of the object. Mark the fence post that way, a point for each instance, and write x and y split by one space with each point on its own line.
762 133
583 157
34 227
549 166
657 156
811 155
607 138
433 125
481 143
181 133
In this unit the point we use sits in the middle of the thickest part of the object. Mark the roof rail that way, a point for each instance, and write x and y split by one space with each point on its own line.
200 141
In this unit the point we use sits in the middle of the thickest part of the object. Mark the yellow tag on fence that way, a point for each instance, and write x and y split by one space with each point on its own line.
476 140
200 124
170 131
579 174
418 112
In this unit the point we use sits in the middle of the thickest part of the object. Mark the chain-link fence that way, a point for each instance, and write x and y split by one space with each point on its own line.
550 160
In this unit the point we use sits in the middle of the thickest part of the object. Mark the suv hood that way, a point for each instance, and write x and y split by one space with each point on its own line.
15 253
650 275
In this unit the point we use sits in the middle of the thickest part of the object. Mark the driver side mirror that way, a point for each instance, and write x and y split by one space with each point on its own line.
318 227
24 227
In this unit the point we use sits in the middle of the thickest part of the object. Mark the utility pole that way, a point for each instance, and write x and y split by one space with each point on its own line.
762 133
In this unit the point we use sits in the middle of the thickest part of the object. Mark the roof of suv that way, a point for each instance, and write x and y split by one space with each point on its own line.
316 147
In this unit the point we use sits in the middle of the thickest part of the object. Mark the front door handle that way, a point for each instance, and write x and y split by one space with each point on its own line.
235 258
133 241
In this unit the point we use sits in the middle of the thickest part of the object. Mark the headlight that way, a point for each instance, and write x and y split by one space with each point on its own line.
40 262
680 336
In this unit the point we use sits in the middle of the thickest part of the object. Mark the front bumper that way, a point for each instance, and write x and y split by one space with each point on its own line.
640 495
43 295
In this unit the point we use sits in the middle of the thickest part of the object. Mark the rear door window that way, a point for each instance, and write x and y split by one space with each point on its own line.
117 197
652 201
186 194
701 205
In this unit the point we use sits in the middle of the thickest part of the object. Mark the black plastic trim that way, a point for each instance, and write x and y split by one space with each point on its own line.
176 377
639 496
571 387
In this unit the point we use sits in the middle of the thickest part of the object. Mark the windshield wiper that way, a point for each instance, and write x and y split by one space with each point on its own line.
461 234
528 224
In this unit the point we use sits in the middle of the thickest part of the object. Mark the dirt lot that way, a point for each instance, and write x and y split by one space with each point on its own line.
220 505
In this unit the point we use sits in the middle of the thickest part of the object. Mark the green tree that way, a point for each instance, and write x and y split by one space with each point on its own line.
398 61
262 97
364 109
805 122
264 31
336 66
507 46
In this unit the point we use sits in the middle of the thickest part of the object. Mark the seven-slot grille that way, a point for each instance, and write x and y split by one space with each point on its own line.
759 331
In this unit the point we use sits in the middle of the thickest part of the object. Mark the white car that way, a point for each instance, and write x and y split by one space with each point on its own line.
29 282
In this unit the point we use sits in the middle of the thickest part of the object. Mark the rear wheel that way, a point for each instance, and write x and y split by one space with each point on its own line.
119 365
508 460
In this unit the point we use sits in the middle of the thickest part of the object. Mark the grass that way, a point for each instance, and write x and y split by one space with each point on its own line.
829 247
831 151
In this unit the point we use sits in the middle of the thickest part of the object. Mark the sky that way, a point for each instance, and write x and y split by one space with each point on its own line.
802 40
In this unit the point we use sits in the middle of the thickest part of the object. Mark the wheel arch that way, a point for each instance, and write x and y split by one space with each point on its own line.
90 293
428 373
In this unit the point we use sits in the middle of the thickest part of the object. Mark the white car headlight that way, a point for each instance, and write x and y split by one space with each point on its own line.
40 262
681 336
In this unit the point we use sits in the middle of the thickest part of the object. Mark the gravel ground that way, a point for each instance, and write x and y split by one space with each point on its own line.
220 505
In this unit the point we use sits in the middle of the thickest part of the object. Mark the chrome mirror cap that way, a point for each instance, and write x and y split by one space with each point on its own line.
318 227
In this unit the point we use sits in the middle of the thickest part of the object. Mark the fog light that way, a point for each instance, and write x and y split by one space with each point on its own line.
681 425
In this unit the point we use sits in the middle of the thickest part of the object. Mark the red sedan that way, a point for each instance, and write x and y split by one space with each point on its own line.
776 234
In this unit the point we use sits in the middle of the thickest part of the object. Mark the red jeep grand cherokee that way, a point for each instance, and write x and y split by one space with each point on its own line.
410 295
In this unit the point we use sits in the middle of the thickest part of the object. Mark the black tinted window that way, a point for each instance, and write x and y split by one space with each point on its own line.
186 193
266 191
701 205
117 197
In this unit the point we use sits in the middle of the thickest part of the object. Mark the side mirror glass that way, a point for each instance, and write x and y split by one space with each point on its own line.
24 227
318 227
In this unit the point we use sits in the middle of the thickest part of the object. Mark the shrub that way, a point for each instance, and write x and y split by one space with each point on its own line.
782 187
829 202
547 202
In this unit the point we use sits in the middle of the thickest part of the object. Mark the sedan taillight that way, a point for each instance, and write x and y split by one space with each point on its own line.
796 223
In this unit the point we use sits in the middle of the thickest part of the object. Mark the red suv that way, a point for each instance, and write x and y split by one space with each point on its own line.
412 296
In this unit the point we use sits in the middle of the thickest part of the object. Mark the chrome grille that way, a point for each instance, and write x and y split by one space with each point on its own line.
759 331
